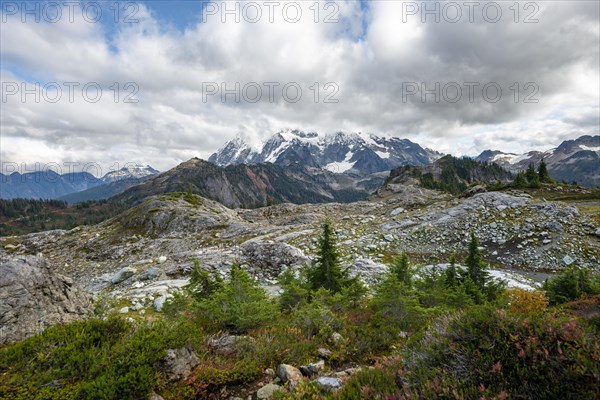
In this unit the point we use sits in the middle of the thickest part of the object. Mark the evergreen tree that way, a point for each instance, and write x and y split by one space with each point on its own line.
238 305
202 284
520 181
475 265
295 290
401 269
530 174
326 271
451 278
543 172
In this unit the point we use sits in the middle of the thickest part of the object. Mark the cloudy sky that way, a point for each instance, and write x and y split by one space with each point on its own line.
159 82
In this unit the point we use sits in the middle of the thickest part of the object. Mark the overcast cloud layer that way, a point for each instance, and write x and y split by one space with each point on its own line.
374 55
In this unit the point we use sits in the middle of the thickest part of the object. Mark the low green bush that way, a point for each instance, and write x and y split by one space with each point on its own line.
571 284
95 359
486 352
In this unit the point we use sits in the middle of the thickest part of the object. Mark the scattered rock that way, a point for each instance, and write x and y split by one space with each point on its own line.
149 274
397 211
124 310
159 303
567 260
323 353
267 391
474 190
336 338
178 364
329 382
155 396
270 372
227 344
123 274
289 374
313 368
353 371
161 259
554 226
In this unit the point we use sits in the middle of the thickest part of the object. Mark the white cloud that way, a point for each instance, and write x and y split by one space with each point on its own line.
369 54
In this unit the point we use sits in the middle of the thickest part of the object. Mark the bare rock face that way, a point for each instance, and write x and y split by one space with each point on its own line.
33 297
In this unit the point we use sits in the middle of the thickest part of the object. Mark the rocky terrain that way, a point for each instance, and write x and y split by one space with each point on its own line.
33 297
147 252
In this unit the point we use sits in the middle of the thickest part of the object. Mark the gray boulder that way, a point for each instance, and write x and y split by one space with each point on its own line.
329 383
290 375
555 226
178 364
267 391
228 344
33 297
312 368
124 273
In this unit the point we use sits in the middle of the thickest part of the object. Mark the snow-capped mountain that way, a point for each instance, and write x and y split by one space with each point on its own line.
356 153
573 160
135 171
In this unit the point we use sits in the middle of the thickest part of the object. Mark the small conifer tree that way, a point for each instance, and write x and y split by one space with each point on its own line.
326 271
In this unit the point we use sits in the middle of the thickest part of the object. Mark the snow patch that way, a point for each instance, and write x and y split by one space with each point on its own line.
342 166
596 149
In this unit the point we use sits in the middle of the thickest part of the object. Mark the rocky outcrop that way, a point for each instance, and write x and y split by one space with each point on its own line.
272 257
33 298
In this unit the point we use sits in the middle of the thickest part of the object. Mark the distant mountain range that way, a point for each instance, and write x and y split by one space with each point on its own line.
350 153
51 185
256 185
298 167
572 161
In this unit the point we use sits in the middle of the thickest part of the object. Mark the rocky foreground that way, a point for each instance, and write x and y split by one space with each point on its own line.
147 252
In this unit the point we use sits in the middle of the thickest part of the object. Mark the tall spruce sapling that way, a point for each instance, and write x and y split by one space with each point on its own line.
325 271
401 269
475 264
543 174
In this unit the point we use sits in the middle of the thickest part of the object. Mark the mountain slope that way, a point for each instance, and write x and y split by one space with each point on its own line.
103 192
51 185
45 184
352 153
247 186
573 160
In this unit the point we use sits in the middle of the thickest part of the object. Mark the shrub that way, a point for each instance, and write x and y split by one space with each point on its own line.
398 306
295 289
571 284
523 301
95 359
487 352
239 305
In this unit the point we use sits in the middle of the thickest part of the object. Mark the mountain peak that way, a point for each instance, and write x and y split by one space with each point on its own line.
130 170
340 152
